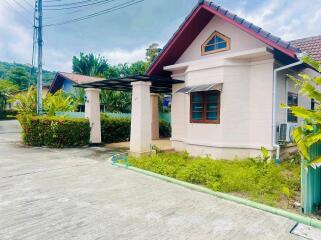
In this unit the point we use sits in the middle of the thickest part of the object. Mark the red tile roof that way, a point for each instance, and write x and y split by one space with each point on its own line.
79 79
310 45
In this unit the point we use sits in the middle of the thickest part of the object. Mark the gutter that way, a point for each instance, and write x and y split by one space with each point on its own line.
274 141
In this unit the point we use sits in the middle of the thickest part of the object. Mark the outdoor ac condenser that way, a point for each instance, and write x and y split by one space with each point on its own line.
284 132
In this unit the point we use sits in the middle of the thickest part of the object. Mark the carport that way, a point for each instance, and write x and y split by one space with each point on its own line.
144 118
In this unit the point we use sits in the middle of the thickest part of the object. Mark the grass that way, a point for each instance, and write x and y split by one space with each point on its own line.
274 185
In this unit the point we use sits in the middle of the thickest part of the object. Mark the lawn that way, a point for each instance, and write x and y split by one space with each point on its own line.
254 179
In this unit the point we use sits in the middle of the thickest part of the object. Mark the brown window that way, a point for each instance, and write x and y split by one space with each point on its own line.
205 107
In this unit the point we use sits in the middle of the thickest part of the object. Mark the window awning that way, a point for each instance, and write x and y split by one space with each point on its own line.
201 88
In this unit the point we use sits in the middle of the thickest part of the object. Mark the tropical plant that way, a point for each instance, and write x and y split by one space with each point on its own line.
89 64
26 102
58 102
7 89
309 131
152 52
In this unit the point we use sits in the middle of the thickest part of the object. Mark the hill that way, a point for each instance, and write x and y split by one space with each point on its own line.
5 68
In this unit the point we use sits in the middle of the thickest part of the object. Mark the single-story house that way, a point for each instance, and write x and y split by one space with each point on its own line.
228 78
66 81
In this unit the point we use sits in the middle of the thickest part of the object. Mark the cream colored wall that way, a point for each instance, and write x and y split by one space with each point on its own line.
240 41
246 99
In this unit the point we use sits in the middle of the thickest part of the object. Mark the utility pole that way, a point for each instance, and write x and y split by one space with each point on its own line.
39 75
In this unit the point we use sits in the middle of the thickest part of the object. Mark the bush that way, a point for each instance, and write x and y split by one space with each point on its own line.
263 182
117 129
8 114
55 132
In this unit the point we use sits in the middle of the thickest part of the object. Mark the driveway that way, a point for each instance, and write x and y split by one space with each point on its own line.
77 194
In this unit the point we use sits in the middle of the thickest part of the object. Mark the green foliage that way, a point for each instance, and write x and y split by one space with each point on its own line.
89 64
8 114
18 76
6 67
266 183
114 129
118 129
152 52
309 132
116 101
57 132
59 102
26 102
7 90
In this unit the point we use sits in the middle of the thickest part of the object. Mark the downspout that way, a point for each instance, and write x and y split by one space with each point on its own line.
274 141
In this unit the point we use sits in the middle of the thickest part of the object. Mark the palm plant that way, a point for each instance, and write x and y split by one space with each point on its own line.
89 64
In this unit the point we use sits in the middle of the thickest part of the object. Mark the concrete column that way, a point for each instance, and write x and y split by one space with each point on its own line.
92 112
155 115
140 131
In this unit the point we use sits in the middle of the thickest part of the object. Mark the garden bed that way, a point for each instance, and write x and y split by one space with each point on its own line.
267 183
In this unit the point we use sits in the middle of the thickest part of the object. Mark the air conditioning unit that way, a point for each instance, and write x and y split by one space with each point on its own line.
284 132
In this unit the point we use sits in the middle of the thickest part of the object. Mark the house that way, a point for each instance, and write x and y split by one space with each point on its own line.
227 78
235 78
66 81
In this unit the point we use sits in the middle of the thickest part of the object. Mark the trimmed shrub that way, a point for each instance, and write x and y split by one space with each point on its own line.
57 132
117 129
8 114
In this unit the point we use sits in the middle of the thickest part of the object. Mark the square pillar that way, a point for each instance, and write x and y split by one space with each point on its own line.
140 131
155 115
92 112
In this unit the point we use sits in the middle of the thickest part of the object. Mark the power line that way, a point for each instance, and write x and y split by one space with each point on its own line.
108 10
73 7
15 9
70 4
21 6
28 3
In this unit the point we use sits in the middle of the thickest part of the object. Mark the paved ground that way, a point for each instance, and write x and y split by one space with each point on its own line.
76 194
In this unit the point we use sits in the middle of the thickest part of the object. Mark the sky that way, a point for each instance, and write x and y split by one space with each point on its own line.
123 35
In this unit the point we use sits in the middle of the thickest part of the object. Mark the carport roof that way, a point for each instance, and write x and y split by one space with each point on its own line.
159 84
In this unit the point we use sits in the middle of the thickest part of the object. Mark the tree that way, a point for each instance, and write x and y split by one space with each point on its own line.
89 64
7 90
152 52
309 131
18 76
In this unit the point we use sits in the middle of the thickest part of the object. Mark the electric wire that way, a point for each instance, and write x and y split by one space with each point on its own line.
21 6
18 12
70 4
102 12
73 7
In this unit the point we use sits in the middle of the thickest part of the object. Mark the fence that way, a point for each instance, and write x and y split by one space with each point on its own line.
311 183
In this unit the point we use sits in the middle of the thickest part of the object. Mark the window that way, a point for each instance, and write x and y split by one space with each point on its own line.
217 42
312 104
292 101
205 107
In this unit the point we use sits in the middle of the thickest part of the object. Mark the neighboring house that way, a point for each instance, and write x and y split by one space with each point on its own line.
66 81
229 104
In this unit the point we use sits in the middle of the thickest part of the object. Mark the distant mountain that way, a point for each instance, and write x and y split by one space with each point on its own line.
47 75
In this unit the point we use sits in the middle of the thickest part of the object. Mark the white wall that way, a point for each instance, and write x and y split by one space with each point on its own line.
246 99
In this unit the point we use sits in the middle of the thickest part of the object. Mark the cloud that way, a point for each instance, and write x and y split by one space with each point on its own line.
124 56
286 19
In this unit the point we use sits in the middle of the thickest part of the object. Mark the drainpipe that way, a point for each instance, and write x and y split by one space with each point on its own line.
274 141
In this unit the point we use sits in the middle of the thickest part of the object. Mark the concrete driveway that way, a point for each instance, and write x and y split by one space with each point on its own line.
76 194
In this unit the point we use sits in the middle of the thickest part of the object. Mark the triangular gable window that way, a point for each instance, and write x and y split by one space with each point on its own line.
217 42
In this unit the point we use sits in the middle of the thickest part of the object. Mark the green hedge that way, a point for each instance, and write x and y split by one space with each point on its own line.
118 129
8 114
55 132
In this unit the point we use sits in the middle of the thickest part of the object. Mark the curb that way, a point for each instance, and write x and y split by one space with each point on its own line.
296 217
